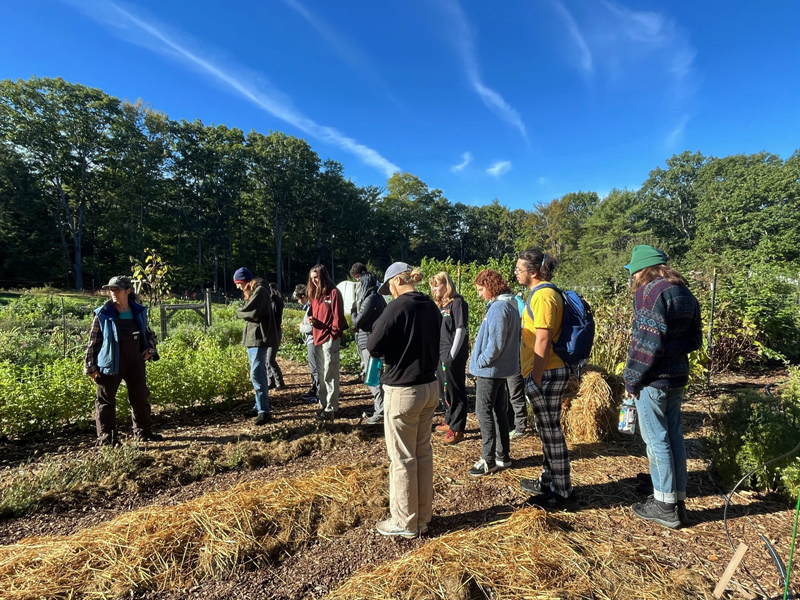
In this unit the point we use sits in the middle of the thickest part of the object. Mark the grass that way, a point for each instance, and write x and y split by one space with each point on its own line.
95 475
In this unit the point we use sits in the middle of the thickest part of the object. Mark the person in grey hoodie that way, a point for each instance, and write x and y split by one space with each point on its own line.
495 357
366 309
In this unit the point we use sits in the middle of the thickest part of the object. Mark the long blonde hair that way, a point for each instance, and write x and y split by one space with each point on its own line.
443 278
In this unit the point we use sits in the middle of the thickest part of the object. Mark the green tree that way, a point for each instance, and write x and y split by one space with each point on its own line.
63 132
29 252
749 209
284 170
670 197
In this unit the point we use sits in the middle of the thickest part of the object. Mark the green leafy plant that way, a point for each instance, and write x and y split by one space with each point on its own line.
752 428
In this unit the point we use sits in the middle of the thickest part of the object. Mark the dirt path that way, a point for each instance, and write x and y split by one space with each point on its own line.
604 476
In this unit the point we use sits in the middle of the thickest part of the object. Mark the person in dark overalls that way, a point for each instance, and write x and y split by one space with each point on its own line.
120 342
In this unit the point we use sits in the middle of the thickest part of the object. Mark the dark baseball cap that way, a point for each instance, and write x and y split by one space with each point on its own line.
120 282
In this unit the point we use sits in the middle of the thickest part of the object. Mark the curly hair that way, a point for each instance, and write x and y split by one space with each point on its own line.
492 281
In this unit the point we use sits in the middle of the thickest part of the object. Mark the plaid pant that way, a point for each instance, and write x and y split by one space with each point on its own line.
546 403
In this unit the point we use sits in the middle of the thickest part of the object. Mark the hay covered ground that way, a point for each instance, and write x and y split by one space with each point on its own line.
222 509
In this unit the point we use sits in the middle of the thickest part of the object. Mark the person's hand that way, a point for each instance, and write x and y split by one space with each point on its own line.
310 321
631 396
94 375
147 355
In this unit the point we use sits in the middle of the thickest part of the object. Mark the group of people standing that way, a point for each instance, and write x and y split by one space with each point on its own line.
424 344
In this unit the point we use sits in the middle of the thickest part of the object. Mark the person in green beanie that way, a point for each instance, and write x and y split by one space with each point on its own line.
666 328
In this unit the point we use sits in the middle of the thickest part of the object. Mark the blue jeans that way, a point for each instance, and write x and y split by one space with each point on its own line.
660 425
258 375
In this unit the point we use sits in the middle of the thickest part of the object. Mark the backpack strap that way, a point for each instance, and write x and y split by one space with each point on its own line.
546 284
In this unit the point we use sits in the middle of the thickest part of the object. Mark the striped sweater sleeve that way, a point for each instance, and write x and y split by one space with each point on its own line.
647 338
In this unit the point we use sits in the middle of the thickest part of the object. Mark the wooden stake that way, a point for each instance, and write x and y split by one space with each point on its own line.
726 576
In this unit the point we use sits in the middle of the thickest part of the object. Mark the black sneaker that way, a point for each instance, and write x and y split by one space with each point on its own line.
263 418
148 436
552 501
326 415
658 512
534 486
250 413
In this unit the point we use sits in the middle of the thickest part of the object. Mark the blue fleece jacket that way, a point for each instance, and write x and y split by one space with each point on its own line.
496 350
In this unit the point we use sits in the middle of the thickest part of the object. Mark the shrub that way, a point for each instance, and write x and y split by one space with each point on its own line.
752 428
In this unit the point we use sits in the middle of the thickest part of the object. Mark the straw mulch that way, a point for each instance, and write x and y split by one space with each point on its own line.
215 536
531 555
591 414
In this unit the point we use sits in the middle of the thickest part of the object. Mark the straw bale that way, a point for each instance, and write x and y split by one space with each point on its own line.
591 415
531 555
214 536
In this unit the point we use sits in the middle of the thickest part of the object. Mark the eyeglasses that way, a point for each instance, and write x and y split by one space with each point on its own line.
518 270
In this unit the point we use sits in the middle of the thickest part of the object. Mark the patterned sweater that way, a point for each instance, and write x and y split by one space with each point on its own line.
666 328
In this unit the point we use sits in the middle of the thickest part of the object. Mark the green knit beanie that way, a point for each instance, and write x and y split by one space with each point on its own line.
645 256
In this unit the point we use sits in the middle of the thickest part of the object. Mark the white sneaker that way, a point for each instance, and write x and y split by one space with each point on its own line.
515 435
388 527
502 464
480 468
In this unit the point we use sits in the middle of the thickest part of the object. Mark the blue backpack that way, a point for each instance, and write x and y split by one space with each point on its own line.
577 327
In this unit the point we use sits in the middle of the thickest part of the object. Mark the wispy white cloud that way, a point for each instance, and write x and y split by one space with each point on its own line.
543 181
653 36
499 168
253 87
463 38
675 137
585 55
466 159
347 51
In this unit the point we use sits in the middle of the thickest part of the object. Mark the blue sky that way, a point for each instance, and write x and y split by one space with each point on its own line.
523 101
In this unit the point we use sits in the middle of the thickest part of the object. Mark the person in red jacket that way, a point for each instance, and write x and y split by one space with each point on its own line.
329 323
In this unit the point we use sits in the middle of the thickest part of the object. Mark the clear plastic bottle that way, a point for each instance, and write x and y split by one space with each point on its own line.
627 417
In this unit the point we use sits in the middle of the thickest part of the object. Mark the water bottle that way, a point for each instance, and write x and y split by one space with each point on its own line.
373 377
627 417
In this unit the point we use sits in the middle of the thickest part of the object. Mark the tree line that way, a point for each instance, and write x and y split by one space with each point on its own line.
88 180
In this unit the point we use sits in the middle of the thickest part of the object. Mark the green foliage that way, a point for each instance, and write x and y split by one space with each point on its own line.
153 274
752 428
33 486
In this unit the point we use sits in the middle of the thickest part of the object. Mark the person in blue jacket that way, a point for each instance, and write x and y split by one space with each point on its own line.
120 342
495 357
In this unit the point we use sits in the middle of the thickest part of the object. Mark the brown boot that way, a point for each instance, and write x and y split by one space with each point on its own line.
442 427
453 437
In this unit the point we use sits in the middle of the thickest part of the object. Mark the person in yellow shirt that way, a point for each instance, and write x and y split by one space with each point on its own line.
546 378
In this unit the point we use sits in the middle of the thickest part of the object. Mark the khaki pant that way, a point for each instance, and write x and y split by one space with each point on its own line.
327 355
408 418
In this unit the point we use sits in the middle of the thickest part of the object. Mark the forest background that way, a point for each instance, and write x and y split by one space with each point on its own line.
88 181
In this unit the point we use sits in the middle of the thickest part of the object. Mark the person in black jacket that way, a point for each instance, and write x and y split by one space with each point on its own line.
453 356
258 335
406 335
369 305
274 373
